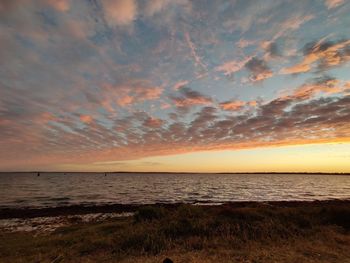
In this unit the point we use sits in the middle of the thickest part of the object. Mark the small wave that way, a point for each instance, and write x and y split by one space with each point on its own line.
59 199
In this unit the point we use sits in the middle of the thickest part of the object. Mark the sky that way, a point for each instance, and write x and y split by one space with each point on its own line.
175 85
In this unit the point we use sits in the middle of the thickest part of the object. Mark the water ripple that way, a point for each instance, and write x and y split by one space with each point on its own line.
58 189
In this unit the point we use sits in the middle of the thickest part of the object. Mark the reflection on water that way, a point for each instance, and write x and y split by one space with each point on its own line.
58 189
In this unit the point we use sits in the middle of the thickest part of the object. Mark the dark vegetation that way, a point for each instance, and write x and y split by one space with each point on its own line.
255 232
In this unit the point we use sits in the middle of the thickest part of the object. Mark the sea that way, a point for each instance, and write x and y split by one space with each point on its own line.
63 189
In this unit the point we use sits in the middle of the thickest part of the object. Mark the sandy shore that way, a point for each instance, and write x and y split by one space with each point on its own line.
46 224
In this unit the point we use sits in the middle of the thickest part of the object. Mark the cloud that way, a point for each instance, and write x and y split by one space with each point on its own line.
299 68
333 3
155 6
243 43
232 105
253 103
329 53
233 66
246 17
76 87
202 120
120 12
153 122
273 50
321 56
86 118
259 69
282 121
197 59
325 84
190 98
60 5
130 93
180 84
9 5
292 23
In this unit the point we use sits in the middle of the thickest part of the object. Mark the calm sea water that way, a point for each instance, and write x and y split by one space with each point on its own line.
58 189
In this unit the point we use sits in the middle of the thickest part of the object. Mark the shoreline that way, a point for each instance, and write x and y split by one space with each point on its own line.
280 231
131 172
71 210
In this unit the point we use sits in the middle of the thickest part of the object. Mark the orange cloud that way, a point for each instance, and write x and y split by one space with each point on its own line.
308 91
192 101
323 54
316 121
299 68
261 76
44 118
120 12
259 69
60 5
130 93
232 105
253 103
86 118
133 95
347 88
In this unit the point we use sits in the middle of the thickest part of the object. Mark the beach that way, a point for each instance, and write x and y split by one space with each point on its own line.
280 231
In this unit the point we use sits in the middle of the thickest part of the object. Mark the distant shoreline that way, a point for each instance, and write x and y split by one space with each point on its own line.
32 212
127 172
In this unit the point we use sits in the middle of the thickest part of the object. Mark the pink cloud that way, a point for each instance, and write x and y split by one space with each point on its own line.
333 3
232 66
165 106
130 93
180 84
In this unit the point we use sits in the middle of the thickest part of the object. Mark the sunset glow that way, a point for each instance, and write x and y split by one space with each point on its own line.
183 86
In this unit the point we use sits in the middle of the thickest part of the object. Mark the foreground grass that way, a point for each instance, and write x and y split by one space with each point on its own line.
249 233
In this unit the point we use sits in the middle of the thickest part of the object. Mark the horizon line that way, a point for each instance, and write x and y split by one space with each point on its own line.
159 172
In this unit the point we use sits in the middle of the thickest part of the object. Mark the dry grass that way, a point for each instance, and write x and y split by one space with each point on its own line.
253 233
